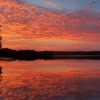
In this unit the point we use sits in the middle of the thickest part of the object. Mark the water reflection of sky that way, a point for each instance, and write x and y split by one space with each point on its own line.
50 80
53 65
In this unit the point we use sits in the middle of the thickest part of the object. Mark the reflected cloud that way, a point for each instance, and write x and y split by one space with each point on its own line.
42 85
51 80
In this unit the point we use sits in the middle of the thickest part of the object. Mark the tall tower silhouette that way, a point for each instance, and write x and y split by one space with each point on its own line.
0 37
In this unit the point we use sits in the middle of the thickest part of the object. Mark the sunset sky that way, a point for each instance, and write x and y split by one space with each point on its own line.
50 24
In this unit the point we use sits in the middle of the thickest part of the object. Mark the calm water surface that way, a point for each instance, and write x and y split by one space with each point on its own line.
50 80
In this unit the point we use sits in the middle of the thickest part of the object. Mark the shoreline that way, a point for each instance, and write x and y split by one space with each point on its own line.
48 55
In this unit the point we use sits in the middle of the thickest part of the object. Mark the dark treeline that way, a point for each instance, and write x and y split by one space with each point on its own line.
32 55
77 52
25 54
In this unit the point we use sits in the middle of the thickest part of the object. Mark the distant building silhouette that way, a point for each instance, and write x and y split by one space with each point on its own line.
0 37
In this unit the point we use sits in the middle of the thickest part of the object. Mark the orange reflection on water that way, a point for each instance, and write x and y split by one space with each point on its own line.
50 80
51 85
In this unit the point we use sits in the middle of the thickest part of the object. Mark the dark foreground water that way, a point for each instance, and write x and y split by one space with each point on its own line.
50 80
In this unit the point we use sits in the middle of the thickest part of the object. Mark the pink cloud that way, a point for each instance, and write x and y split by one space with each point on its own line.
52 4
34 22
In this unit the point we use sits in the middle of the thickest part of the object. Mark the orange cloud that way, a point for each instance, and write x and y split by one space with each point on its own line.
32 22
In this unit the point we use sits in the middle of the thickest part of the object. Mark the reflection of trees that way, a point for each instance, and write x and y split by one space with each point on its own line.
0 73
0 79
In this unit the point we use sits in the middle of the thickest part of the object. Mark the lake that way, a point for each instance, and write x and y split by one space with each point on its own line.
50 80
